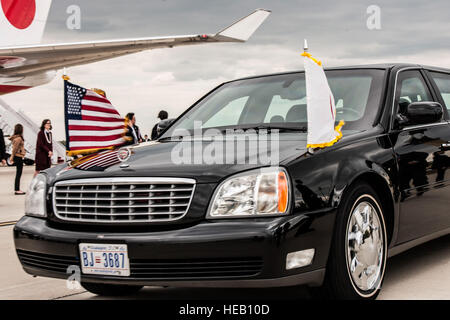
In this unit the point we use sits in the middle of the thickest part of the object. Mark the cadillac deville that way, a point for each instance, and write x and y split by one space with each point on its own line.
327 218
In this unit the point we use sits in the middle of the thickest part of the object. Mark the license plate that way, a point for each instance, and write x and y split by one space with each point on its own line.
105 259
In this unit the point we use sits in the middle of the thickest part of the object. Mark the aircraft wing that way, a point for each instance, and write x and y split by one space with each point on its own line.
28 60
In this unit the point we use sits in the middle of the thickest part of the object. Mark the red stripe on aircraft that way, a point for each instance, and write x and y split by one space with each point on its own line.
4 89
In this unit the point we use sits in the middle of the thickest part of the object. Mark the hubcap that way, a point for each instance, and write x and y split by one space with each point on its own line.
365 247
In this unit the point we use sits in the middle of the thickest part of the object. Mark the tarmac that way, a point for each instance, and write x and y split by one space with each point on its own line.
420 273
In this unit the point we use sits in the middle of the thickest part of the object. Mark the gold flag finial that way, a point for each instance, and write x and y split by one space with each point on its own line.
307 54
99 91
65 76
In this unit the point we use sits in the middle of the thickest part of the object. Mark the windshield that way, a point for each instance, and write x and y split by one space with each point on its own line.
280 102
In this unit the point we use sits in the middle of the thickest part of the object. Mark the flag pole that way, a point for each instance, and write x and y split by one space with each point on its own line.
305 50
66 78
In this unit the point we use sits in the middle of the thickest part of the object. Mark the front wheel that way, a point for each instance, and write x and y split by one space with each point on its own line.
357 260
110 290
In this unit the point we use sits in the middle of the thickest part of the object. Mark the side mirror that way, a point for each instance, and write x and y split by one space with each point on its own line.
422 112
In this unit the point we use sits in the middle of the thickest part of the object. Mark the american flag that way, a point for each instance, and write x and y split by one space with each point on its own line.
98 161
92 122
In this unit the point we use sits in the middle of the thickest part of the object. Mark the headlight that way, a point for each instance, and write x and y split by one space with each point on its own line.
262 192
35 201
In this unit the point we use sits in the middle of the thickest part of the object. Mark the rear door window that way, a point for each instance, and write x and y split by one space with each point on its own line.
442 81
411 88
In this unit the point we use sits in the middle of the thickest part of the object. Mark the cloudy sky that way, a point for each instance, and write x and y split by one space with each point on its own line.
172 79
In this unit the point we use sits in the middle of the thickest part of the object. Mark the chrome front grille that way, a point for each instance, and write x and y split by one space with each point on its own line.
122 200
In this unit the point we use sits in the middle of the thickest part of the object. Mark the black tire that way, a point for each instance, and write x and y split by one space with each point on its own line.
110 290
338 283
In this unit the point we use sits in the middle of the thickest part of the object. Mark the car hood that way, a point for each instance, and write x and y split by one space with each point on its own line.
162 159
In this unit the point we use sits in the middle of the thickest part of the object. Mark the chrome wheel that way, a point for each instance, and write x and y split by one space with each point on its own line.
365 246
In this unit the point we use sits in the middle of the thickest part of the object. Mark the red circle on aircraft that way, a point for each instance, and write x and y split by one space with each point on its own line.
20 13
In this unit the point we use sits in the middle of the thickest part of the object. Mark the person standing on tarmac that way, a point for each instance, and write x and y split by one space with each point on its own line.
44 147
2 148
162 115
133 134
17 155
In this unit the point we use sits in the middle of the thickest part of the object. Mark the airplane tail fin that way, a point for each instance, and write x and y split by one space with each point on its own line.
22 22
242 30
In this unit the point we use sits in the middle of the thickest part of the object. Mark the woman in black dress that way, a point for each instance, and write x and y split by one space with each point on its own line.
44 147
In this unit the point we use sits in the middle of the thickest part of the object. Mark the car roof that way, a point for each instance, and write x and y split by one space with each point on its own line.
383 66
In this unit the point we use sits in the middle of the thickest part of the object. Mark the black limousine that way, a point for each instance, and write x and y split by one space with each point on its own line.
327 218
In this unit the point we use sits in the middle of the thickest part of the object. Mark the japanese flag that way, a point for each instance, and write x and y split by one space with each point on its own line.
321 109
22 22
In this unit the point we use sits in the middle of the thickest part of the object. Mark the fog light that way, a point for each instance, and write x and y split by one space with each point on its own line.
299 259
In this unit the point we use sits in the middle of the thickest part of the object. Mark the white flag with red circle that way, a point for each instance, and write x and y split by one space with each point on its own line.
22 22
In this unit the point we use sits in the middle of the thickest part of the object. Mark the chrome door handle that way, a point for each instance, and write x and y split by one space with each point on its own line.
445 146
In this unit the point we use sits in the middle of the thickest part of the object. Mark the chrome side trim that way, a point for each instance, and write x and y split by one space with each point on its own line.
421 126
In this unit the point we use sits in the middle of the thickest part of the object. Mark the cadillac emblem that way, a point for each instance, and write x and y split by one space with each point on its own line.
124 154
